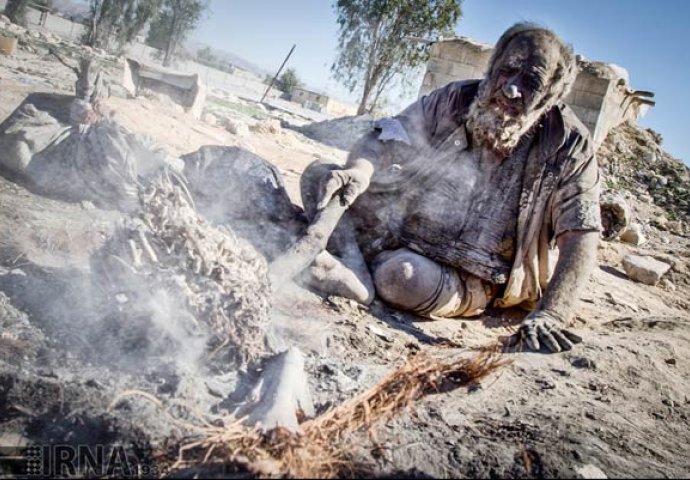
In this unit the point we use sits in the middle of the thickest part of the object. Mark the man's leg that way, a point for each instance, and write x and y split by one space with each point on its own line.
412 282
341 270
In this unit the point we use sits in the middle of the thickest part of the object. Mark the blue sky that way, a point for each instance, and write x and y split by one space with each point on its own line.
649 38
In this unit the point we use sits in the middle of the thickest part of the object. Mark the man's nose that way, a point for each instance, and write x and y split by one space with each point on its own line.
511 90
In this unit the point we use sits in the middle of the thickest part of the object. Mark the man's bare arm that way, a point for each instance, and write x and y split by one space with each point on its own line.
546 325
354 178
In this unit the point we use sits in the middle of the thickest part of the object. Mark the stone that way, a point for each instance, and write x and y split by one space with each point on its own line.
660 222
590 471
211 119
583 362
4 19
236 127
271 126
633 235
675 227
668 285
615 216
649 156
644 269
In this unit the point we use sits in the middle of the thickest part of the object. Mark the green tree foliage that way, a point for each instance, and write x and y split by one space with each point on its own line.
176 20
16 11
206 55
374 43
115 23
288 81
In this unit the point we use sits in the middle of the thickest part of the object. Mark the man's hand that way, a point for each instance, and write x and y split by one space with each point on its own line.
349 183
543 328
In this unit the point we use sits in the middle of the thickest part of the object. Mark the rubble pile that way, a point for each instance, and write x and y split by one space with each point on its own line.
632 160
340 133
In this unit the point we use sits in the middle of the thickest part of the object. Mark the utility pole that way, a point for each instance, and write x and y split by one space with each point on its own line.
277 73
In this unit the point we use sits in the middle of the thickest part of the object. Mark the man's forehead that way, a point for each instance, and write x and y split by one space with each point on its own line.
535 51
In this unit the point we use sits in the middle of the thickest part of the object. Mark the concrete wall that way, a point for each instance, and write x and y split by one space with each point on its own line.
337 108
601 96
452 60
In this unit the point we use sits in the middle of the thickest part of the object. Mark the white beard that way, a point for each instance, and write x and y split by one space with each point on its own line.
496 130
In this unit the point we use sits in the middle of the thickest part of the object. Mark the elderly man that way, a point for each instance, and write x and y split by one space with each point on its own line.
482 192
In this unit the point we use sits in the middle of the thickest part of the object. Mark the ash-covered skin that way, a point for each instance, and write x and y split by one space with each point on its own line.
530 73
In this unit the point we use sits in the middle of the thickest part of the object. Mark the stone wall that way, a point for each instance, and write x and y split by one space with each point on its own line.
601 96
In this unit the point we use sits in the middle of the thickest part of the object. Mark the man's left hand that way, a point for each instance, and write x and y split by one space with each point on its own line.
543 328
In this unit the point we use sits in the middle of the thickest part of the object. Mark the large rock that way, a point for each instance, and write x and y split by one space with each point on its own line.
236 127
645 269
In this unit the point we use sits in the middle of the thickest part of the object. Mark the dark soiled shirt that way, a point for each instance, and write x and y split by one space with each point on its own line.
432 192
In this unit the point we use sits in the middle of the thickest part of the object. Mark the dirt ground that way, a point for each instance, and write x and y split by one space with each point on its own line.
618 405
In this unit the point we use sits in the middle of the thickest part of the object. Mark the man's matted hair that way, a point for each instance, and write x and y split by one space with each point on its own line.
566 71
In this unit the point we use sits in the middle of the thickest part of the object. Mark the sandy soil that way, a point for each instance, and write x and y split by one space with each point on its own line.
617 405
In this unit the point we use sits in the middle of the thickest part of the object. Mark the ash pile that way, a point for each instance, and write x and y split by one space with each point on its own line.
166 300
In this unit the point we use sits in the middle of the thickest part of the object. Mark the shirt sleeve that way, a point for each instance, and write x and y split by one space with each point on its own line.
576 202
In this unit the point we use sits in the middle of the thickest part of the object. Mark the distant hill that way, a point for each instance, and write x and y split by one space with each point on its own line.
231 58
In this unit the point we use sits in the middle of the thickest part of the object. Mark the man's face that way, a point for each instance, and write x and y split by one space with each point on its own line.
510 99
521 75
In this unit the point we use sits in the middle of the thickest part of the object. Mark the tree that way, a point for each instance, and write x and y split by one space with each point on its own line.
15 10
288 81
117 20
177 19
375 43
206 55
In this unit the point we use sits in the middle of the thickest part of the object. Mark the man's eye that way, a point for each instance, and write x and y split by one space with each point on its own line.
533 82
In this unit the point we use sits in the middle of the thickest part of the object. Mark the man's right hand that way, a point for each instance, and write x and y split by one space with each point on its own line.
349 184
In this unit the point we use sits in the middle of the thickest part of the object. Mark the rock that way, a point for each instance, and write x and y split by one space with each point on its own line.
644 269
660 222
615 216
583 362
4 19
675 227
340 133
268 126
668 285
379 333
211 119
590 471
633 235
665 240
649 156
236 127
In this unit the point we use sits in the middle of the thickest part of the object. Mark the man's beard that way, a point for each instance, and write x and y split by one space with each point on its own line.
495 129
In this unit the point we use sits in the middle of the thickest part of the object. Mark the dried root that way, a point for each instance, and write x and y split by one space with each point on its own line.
203 270
319 449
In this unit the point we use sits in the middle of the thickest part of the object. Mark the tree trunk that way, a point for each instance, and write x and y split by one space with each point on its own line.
362 109
170 45
16 11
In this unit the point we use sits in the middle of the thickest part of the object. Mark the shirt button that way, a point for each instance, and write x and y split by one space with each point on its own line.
457 143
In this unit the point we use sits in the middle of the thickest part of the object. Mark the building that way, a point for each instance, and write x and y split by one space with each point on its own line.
601 95
321 102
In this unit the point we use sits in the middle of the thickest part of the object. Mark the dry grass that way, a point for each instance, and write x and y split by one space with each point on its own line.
319 449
